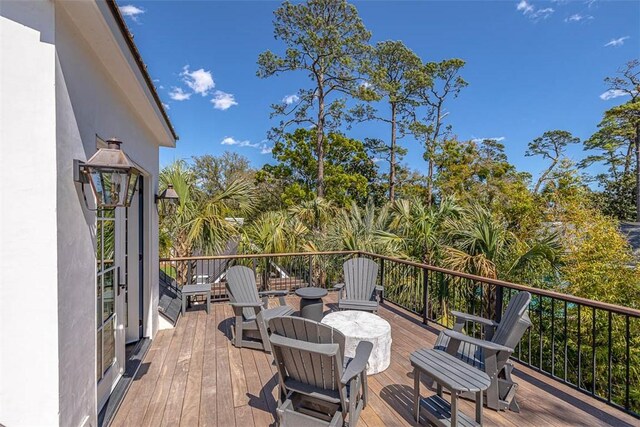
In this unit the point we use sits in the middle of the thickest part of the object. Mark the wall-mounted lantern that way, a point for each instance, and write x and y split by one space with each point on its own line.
168 199
113 176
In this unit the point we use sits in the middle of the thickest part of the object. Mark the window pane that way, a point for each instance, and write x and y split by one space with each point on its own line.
108 294
99 301
108 242
99 355
109 348
99 245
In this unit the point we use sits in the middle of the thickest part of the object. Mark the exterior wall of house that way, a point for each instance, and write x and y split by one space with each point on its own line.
29 375
56 95
89 102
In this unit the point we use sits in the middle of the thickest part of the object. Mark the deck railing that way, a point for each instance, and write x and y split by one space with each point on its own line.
588 345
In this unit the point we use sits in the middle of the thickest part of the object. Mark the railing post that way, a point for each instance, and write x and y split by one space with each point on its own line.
310 270
425 294
499 298
382 279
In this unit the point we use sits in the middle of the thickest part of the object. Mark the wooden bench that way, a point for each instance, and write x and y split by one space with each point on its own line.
454 375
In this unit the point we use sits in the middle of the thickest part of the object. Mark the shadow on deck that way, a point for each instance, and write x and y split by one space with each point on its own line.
194 376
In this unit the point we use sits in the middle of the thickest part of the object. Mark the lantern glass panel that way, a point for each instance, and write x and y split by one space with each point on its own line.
133 185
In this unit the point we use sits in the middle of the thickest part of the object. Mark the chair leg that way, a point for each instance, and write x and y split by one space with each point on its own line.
184 303
264 334
416 394
238 327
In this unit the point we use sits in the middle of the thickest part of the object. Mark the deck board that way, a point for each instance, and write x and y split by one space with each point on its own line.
193 375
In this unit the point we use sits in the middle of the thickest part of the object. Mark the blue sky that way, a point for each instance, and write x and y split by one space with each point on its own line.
532 66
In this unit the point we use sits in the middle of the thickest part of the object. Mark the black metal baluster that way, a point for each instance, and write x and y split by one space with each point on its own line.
425 295
593 351
553 337
579 383
609 357
627 387
541 302
566 341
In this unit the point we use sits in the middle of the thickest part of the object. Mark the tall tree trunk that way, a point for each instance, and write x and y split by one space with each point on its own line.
320 140
638 172
430 177
392 161
544 175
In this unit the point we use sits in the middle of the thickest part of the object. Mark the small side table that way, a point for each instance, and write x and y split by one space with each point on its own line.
311 305
453 374
193 290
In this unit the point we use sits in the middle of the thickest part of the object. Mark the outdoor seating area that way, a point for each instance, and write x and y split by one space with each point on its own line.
194 375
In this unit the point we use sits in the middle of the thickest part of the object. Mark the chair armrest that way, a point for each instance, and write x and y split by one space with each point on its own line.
275 293
266 294
379 288
486 345
246 304
472 318
338 286
359 362
324 349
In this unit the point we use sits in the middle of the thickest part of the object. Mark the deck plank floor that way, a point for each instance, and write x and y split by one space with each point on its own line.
193 376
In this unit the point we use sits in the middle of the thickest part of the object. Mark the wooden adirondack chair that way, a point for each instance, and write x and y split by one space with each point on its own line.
318 387
359 290
251 314
491 354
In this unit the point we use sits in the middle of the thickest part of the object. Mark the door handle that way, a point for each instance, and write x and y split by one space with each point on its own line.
121 286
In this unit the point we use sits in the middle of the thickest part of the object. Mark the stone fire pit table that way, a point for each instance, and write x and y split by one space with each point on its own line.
363 326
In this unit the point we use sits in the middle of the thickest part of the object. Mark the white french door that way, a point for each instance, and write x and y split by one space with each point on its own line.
110 316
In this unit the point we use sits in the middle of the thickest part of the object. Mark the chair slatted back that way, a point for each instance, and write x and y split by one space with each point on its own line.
305 365
515 321
241 286
360 276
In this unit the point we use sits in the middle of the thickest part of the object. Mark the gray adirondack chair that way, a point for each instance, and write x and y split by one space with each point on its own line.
491 354
318 387
250 309
359 290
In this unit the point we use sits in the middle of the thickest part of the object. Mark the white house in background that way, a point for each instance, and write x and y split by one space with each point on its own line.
76 285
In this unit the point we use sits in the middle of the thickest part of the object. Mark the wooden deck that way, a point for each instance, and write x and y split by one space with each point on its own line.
192 375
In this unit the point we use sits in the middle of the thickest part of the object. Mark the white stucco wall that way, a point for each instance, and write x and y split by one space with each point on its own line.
89 102
56 94
28 238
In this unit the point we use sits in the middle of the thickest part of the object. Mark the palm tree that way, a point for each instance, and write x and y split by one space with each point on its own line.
480 243
199 225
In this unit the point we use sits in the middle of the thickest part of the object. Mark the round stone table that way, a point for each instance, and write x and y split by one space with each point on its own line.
363 326
311 306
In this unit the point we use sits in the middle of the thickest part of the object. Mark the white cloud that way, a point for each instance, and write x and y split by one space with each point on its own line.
131 11
177 94
613 93
376 159
617 42
291 99
365 84
525 7
166 106
229 140
222 100
266 149
529 10
543 13
200 81
576 17
496 138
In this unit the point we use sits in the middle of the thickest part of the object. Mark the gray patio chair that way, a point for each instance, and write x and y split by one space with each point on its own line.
359 290
251 312
491 354
318 387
